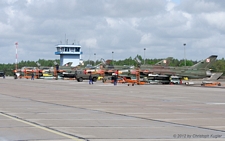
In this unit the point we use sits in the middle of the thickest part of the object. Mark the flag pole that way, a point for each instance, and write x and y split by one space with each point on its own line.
16 53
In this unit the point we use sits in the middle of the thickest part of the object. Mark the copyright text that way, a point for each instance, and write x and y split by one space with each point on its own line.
196 136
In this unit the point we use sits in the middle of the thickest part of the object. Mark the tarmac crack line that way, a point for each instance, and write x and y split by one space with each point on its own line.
155 120
161 121
73 137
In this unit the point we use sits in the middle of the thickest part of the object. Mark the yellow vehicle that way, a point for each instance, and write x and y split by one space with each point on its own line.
100 78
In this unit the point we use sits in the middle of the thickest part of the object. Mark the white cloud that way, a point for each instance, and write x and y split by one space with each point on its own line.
90 43
103 26
146 39
216 19
170 5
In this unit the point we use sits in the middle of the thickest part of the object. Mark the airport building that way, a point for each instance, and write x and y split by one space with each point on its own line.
69 53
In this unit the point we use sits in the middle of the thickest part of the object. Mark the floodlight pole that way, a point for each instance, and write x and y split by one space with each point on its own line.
95 58
16 53
144 55
184 56
112 57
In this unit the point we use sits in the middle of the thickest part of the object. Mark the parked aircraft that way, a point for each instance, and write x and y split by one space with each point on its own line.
103 69
199 70
145 68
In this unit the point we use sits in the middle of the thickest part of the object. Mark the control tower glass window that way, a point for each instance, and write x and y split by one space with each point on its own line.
58 49
71 49
66 49
77 49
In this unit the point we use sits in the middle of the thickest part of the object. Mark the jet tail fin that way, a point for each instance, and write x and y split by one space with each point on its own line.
164 62
205 63
103 61
38 64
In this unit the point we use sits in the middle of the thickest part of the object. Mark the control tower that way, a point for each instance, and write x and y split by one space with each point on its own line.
69 53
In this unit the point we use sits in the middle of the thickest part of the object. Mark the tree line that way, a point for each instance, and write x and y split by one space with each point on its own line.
218 66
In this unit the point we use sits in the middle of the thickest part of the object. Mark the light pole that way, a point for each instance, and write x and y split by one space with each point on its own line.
95 58
144 55
184 56
112 57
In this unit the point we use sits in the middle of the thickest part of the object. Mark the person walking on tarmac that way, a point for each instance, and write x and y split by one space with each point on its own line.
3 75
115 79
32 76
90 79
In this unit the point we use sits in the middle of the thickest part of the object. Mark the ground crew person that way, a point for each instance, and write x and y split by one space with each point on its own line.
115 79
32 76
90 79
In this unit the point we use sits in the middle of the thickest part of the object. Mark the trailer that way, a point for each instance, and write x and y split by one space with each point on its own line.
210 84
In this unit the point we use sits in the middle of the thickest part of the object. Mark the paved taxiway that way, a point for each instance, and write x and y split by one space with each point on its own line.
65 110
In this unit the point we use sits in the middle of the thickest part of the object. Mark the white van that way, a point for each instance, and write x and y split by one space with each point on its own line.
174 80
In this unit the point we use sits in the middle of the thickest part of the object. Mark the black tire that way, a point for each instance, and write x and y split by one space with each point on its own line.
219 84
94 79
80 79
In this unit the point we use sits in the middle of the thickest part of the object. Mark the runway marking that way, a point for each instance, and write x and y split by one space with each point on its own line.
43 128
216 103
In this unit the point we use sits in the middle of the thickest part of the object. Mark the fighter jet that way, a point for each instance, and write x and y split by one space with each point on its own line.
145 68
199 70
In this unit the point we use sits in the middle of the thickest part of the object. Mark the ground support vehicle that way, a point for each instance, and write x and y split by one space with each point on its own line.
82 75
158 79
163 79
131 81
109 79
2 74
175 80
210 84
26 72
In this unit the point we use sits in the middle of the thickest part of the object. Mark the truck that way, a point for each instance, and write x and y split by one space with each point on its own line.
174 80
163 79
81 75
158 79
2 74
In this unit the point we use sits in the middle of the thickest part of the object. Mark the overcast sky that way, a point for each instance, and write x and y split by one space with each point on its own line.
125 27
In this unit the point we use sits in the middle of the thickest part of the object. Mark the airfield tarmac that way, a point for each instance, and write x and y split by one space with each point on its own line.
67 110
